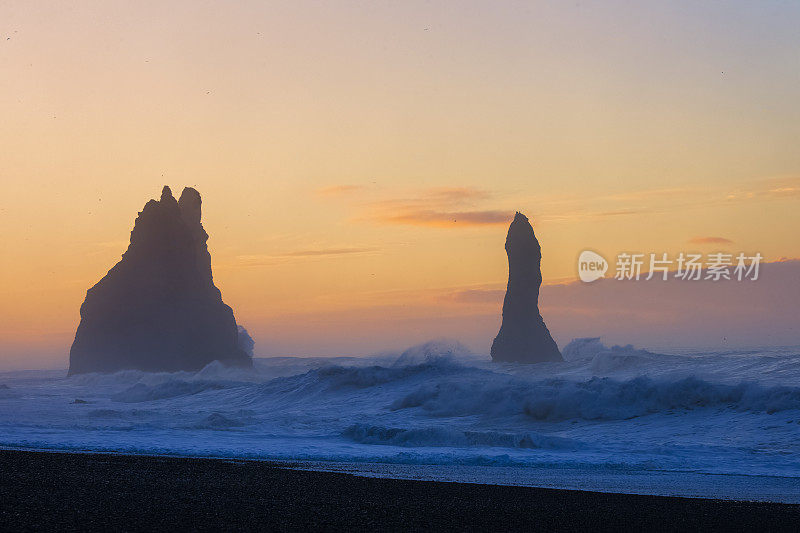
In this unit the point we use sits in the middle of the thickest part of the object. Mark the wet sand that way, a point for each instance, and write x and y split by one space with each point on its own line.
92 492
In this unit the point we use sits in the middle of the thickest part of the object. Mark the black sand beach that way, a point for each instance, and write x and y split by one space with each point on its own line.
91 492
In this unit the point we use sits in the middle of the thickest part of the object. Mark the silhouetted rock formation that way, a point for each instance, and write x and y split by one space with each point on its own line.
158 308
523 337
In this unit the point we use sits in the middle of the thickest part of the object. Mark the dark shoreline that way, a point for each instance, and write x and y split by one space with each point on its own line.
90 492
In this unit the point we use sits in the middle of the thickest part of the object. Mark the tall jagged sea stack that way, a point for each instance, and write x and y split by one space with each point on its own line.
158 309
523 336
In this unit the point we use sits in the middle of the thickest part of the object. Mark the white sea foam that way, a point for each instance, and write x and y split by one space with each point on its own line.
618 408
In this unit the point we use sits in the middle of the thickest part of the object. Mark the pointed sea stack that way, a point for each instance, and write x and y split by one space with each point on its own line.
523 337
158 309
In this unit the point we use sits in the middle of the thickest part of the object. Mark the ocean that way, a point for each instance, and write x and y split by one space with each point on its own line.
719 424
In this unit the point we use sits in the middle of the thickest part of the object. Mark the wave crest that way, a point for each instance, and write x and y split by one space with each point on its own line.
162 391
440 436
595 399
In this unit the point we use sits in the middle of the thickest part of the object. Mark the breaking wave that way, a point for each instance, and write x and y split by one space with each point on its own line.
595 399
436 403
171 389
440 380
440 436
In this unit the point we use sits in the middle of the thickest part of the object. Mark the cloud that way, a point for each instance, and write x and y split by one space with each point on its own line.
578 207
340 190
710 240
329 251
255 260
436 199
464 207
688 313
451 195
440 207
588 215
644 194
587 206
446 219
617 213
769 188
785 191
493 296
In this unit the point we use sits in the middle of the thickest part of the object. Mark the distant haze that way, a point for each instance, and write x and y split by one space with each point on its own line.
651 314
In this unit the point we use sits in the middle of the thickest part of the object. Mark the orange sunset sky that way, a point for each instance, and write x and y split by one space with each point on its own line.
360 161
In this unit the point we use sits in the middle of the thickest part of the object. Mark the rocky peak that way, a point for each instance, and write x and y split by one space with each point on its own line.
158 309
523 336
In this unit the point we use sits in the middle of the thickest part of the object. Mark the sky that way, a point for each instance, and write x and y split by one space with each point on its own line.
360 161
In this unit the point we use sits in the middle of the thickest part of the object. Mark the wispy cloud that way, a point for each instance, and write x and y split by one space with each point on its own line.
645 194
785 191
473 296
575 215
462 207
440 207
617 213
465 207
710 240
253 260
436 198
769 188
329 251
446 219
340 190
450 195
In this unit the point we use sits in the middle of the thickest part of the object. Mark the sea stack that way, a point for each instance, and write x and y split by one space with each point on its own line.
158 309
523 337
